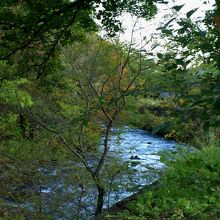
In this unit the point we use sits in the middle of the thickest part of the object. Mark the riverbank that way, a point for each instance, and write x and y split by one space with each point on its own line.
111 213
163 117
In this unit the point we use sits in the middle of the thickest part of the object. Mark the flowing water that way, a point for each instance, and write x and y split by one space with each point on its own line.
69 193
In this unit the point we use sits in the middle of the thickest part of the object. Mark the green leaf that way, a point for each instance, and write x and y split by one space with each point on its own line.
116 28
166 31
190 13
179 61
160 55
170 21
177 7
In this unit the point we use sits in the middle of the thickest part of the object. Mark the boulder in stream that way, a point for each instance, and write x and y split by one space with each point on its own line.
135 157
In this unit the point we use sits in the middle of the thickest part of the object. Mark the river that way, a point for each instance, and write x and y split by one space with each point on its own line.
67 192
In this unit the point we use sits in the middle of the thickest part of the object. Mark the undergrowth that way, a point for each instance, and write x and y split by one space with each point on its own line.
190 189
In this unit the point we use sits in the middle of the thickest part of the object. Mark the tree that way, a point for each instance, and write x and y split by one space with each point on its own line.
198 43
32 31
103 80
71 106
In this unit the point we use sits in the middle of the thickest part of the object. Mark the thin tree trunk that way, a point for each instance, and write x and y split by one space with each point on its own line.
100 201
31 129
22 124
106 147
101 190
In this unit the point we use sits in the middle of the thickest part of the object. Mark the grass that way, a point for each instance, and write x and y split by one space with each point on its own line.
190 189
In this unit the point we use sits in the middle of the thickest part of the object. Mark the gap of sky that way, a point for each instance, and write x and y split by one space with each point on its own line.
146 29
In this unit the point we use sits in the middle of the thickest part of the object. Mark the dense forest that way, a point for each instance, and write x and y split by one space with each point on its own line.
69 94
